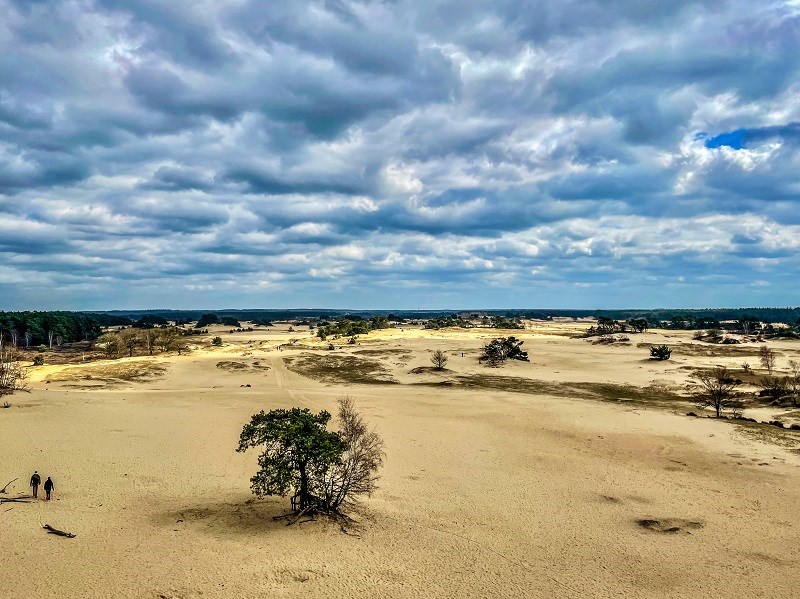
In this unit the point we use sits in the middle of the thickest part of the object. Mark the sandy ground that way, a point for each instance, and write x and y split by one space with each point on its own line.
485 493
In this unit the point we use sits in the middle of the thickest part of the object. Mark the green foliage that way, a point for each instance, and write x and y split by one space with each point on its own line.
660 352
497 351
71 326
447 321
492 322
41 348
298 451
640 325
216 342
347 327
210 318
150 320
207 319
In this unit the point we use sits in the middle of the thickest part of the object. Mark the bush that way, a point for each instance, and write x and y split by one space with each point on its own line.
660 352
42 348
38 360
216 342
499 350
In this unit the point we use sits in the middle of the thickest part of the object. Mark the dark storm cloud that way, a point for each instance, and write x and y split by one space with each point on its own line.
464 152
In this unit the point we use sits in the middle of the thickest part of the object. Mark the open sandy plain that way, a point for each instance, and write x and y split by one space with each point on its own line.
524 481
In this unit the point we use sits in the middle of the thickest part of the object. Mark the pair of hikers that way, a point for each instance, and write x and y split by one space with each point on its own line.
36 481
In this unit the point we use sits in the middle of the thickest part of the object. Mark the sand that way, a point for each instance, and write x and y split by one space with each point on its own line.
485 492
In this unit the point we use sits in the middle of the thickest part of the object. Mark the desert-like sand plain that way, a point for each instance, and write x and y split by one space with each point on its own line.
527 480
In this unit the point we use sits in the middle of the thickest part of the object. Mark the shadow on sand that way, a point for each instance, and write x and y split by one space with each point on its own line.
225 519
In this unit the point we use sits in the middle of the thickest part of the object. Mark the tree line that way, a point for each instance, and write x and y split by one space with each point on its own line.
346 327
135 341
26 329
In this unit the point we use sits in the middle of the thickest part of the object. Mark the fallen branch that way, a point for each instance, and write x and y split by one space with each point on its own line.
5 489
15 500
60 533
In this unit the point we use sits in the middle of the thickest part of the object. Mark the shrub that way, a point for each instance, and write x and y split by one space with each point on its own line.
216 342
41 348
660 352
38 360
499 350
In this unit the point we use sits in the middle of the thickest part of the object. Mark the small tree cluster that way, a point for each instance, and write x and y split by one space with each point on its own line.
130 341
497 351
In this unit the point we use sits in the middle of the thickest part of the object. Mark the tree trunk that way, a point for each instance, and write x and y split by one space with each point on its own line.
303 487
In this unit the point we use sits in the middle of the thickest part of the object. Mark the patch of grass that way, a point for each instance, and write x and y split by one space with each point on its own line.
582 390
232 366
339 368
767 433
133 372
709 350
383 353
429 369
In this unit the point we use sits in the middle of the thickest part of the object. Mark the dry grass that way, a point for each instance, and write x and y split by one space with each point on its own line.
767 433
384 353
232 366
339 368
112 374
583 390
709 350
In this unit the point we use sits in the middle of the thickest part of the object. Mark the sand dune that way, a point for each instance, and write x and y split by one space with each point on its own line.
487 492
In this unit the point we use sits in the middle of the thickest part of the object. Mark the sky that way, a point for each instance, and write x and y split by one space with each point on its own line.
399 154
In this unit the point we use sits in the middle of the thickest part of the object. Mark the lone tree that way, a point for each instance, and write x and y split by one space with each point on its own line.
717 390
660 352
326 471
12 376
767 357
497 351
298 451
439 359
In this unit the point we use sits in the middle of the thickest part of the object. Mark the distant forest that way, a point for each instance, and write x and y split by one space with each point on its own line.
775 315
37 328
25 329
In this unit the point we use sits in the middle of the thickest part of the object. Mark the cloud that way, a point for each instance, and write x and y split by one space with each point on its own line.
398 154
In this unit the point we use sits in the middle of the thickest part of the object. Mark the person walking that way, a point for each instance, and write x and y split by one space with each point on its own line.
48 487
35 480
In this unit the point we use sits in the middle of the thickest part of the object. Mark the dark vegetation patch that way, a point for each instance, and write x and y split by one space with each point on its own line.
767 433
584 390
429 369
339 368
613 392
713 351
233 366
669 525
384 353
